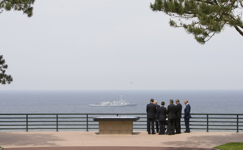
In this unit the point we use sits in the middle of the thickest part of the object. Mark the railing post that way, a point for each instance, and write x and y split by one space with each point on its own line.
117 115
237 123
57 122
27 128
207 122
87 123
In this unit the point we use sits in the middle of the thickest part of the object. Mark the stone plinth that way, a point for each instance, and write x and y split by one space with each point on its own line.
115 125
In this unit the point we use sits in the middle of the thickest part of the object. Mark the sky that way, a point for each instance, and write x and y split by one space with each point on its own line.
113 45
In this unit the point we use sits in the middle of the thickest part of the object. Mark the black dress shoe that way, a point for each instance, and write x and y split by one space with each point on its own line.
186 132
153 133
161 134
148 132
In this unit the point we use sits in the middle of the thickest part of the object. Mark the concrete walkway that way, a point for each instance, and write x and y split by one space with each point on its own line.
104 148
92 140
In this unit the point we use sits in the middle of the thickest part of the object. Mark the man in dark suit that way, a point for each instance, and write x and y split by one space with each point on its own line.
155 119
171 111
178 116
150 109
187 116
161 117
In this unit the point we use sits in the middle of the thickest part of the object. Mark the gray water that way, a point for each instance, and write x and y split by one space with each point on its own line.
224 101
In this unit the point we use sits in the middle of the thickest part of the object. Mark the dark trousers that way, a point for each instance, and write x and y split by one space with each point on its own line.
171 126
149 121
162 127
178 125
157 125
187 124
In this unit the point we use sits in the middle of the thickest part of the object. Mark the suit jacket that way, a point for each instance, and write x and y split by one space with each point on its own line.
171 111
161 113
151 110
187 111
178 111
157 109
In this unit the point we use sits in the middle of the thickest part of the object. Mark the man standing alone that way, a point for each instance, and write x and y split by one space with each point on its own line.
187 116
171 111
150 109
178 116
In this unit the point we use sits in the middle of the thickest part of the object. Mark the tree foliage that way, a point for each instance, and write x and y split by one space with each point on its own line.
4 78
18 5
202 18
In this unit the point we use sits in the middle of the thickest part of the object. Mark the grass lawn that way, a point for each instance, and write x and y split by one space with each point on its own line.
230 146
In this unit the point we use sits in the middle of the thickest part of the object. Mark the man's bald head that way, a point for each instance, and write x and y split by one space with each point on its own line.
155 102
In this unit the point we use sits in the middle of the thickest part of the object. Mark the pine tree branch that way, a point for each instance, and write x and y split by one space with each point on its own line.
206 1
235 22
237 29
186 16
215 1
214 33
212 15
210 37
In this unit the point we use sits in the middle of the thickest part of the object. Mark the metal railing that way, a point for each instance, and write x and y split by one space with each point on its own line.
84 122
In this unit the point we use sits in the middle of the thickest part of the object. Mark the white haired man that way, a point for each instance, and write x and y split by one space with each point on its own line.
187 115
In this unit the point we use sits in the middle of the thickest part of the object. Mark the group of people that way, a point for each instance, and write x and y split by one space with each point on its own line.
170 116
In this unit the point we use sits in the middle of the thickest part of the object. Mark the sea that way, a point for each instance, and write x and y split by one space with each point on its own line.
201 101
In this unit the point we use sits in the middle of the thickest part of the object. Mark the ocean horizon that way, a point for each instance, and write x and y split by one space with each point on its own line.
201 101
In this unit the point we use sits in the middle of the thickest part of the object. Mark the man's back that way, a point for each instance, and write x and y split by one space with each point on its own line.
151 110
162 113
178 110
157 109
171 111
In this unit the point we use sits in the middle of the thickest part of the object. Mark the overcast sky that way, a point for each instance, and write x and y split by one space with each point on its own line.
113 45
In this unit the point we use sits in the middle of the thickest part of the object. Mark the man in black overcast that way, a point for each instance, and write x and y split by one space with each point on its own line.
161 117
178 116
171 111
151 110
156 113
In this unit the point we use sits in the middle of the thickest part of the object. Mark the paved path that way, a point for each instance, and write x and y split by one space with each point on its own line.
80 140
104 148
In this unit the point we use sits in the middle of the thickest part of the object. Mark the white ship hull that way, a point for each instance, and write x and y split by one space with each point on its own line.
132 104
120 103
98 105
